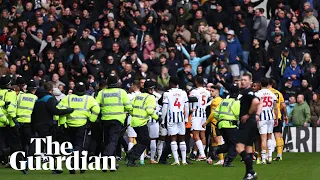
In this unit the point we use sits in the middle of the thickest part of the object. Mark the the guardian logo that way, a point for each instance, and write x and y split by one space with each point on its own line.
73 159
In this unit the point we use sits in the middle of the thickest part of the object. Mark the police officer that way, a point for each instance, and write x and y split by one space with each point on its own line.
248 125
25 105
115 104
227 114
12 130
3 123
144 106
86 110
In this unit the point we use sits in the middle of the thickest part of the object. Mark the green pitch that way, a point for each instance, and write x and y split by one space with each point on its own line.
296 166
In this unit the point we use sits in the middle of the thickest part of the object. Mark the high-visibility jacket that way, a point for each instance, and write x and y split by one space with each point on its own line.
9 96
144 106
214 104
85 108
3 118
227 113
114 103
25 105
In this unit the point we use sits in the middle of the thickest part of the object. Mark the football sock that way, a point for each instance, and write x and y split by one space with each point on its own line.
153 149
160 148
174 149
279 144
195 153
183 149
248 162
200 148
269 145
221 154
263 155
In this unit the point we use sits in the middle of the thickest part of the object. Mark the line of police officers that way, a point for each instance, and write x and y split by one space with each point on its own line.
74 115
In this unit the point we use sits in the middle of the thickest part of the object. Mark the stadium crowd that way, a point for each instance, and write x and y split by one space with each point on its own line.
72 41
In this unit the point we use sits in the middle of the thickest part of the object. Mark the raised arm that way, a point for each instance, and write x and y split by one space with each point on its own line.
185 52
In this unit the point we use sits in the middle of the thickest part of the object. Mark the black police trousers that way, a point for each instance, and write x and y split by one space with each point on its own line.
25 136
77 136
229 146
111 133
10 142
143 140
96 147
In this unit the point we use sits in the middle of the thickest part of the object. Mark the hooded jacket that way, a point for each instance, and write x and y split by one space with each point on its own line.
45 109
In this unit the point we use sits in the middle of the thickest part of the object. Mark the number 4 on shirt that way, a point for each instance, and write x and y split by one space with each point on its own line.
177 103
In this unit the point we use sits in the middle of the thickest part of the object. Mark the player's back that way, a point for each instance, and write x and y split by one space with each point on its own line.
268 99
176 99
202 95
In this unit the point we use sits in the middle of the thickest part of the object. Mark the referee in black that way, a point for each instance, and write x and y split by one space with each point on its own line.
248 125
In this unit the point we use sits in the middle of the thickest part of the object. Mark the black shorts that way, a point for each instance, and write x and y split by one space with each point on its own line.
247 133
278 129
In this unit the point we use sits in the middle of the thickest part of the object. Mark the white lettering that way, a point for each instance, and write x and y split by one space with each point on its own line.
13 161
50 148
64 146
48 165
38 144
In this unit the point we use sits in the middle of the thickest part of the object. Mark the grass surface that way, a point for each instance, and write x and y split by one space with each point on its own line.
296 166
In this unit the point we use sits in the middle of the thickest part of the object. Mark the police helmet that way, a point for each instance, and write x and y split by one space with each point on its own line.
112 81
20 80
234 90
80 87
149 84
5 80
31 84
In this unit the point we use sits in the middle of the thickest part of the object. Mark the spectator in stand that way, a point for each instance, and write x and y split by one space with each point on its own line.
300 114
257 70
258 54
193 59
306 90
245 40
127 76
313 77
235 51
315 110
183 33
148 46
163 79
185 75
290 105
306 63
260 25
56 82
294 72
309 18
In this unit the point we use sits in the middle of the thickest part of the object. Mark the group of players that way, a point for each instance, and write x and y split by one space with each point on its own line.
175 105
260 112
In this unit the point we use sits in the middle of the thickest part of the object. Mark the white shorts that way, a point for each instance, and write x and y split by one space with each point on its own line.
131 132
176 128
266 127
163 131
153 130
235 69
197 124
